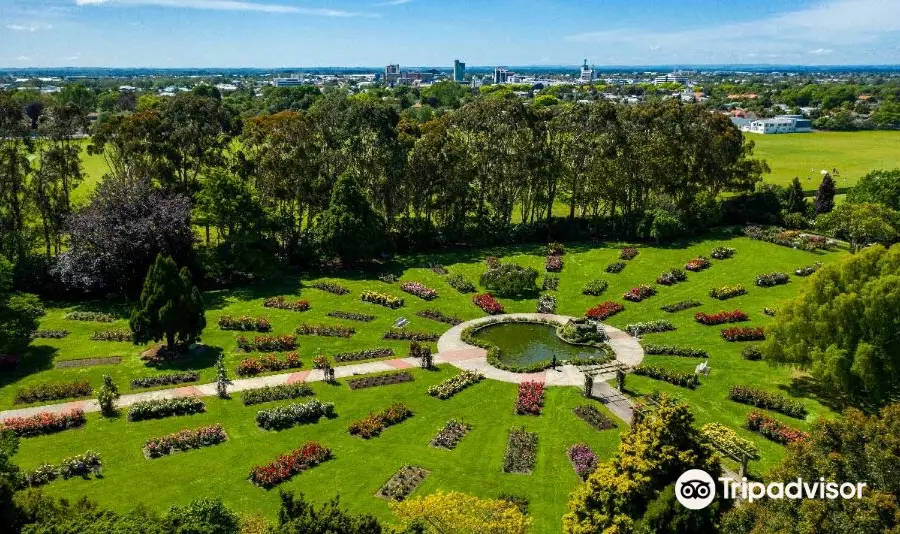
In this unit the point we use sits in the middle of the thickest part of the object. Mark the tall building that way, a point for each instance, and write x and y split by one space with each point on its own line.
459 71
391 74
675 77
587 73
501 75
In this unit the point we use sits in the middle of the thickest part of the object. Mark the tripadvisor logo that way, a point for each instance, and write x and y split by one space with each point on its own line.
696 489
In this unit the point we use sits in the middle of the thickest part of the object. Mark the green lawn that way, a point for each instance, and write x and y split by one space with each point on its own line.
361 467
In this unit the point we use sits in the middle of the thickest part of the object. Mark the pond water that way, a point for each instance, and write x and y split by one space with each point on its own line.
529 343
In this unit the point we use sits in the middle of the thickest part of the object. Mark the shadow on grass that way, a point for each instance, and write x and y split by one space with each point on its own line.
35 359
202 360
810 388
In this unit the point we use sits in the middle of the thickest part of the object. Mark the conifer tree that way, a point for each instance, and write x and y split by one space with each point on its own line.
825 195
170 308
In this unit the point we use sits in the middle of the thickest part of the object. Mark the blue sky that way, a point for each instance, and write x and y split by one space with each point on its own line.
306 33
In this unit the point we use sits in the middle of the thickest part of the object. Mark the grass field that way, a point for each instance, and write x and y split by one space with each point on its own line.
360 467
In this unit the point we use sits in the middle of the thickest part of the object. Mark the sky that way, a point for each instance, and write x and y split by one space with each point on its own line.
318 33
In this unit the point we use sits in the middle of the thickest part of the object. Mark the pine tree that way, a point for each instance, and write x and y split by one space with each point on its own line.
350 228
170 307
222 380
825 195
796 200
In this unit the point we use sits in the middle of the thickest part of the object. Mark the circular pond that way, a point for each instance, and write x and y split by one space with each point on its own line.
526 344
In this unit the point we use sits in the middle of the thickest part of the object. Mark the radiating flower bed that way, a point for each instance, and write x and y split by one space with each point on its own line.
671 277
721 317
773 429
768 401
90 316
410 335
583 459
309 455
75 466
325 330
521 451
52 391
280 303
49 334
727 292
771 279
639 293
158 409
44 423
680 306
373 424
331 287
615 267
245 323
275 393
594 417
419 290
368 354
672 350
455 384
697 264
808 270
459 283
439 316
604 310
382 299
649 327
404 482
267 343
553 264
167 379
546 304
281 417
594 288
452 433
741 333
112 335
380 380
488 304
530 399
676 378
205 436
628 253
722 253
351 316
268 363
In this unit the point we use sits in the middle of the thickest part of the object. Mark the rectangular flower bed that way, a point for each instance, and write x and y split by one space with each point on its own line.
167 379
52 391
44 423
158 409
410 335
439 316
280 303
774 429
671 277
594 417
267 343
419 290
331 287
555 248
86 362
546 304
721 317
697 264
184 440
459 283
90 316
742 333
521 451
722 253
676 378
438 269
404 482
768 401
530 399
450 436
268 363
808 270
727 292
583 459
639 293
615 267
550 282
455 384
382 299
379 380
604 310
672 350
352 316
309 455
628 253
594 288
751 353
649 327
275 393
245 323
289 415
771 279
75 466
49 334
325 330
112 335
553 264
368 354
488 304
681 305
373 424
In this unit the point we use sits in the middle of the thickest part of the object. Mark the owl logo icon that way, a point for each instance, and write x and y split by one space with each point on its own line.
695 489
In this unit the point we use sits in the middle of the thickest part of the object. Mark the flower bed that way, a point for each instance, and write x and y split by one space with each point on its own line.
380 380
628 253
351 316
310 454
267 343
741 333
771 279
697 264
726 439
546 304
727 292
722 317
268 363
112 335
594 288
245 323
331 287
450 436
594 417
281 417
488 304
382 299
752 353
604 310
404 482
184 440
44 423
649 327
722 253
550 282
808 270
615 267
676 378
583 459
52 391
373 424
521 451
773 429
167 379
439 316
49 334
325 330
455 384
90 316
388 278
158 409
553 264
672 350
275 393
671 277
419 290
280 303
368 354
680 306
410 335
530 399
768 401
459 283
639 293
788 238
555 248
75 466
439 269
83 362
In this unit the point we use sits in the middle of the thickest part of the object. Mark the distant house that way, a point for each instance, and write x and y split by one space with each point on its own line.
780 124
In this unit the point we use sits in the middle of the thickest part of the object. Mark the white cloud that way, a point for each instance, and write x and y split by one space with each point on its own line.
228 5
394 2
821 51
29 27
